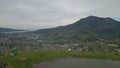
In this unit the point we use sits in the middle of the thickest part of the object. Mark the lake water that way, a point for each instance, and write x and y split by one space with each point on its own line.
79 63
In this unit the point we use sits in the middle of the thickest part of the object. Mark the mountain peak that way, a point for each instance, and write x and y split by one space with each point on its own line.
96 18
93 17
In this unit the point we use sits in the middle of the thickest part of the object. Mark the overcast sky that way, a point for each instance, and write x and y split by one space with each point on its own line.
39 14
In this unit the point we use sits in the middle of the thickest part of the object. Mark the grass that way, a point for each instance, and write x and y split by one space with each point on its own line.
26 60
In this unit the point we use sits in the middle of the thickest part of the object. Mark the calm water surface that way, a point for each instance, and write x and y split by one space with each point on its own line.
79 63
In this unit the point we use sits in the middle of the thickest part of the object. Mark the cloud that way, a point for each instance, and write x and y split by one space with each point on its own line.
37 14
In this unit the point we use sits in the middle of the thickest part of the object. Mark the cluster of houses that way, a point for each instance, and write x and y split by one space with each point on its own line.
32 42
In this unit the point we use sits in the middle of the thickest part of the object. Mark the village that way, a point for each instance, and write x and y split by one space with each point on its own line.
13 44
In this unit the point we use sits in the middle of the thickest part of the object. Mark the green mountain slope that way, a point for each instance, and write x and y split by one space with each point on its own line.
91 28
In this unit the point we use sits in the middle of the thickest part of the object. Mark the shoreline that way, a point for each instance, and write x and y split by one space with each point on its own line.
28 59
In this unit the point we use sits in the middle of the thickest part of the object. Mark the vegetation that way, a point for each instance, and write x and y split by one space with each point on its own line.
27 60
91 29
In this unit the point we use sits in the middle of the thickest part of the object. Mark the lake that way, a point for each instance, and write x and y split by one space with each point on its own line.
78 63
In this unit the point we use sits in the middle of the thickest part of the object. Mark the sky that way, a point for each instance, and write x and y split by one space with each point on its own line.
40 14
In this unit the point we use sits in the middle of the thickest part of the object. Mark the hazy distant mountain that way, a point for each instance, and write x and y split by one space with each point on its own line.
90 28
2 30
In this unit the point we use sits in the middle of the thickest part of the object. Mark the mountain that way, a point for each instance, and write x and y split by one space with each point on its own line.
5 30
91 28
